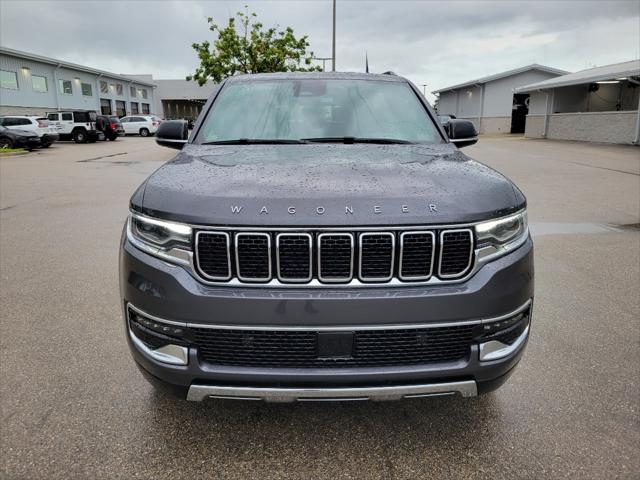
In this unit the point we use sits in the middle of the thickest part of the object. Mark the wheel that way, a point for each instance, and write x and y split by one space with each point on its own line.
144 132
80 136
6 143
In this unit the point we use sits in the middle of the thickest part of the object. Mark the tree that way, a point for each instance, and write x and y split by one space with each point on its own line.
250 49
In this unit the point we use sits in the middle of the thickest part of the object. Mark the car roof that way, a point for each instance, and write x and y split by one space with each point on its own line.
386 77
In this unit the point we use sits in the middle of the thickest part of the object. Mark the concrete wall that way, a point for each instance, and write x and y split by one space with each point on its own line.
495 125
25 100
606 127
534 128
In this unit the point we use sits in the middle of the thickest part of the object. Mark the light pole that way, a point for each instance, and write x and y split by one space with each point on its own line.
424 89
333 45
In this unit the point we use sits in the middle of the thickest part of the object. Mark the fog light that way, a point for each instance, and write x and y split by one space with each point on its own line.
502 337
161 341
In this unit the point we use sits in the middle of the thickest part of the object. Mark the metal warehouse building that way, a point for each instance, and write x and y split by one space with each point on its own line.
490 102
32 85
599 105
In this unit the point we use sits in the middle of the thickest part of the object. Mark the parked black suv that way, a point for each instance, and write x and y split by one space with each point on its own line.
319 236
109 127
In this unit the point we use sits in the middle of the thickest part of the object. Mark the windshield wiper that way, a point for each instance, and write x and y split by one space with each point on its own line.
255 141
349 140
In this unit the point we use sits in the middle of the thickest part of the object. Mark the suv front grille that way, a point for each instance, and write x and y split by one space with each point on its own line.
267 348
334 257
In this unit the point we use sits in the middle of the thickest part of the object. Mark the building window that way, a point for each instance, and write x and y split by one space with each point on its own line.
8 79
144 93
134 108
145 108
104 87
105 106
65 87
39 83
112 87
120 108
87 91
119 89
132 91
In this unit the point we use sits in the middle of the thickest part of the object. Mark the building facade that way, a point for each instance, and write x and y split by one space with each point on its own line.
33 85
490 102
599 104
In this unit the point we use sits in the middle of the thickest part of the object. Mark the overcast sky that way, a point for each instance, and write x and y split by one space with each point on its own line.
437 43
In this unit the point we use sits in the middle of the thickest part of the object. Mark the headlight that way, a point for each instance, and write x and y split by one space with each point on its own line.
168 240
501 235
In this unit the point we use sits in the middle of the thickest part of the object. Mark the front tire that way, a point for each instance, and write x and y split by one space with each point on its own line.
144 132
5 143
80 136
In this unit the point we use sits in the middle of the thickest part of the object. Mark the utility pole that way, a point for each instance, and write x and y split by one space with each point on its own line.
333 45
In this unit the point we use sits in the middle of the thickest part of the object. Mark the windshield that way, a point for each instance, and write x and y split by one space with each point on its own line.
313 109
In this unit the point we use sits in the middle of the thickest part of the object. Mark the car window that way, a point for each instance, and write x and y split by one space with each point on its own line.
67 116
294 109
53 116
23 121
124 120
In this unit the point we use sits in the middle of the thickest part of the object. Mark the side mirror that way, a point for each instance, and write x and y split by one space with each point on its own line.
172 134
462 133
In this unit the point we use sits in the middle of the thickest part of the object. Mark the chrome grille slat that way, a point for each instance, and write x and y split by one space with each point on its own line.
253 256
334 256
294 256
456 252
376 256
417 255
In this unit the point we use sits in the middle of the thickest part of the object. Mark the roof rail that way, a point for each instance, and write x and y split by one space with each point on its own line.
389 72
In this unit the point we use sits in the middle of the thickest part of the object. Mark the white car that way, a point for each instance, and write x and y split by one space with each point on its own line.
76 125
143 125
41 126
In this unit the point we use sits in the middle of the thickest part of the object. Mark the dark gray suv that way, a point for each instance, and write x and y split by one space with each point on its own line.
320 236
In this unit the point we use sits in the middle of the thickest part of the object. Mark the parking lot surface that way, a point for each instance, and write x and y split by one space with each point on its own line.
75 406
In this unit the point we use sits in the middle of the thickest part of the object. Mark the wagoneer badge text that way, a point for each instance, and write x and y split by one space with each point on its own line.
320 210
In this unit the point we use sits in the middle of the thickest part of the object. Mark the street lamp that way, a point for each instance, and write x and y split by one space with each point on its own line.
333 44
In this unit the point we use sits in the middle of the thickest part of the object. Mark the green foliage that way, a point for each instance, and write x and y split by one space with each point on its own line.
250 49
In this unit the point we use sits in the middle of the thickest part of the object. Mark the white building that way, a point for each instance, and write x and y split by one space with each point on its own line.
490 102
32 84
598 104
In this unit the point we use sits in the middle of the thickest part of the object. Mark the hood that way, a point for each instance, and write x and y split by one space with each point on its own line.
325 185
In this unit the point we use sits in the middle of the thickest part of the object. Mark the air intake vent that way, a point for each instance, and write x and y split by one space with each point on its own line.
417 251
335 257
456 252
253 257
376 256
294 257
212 252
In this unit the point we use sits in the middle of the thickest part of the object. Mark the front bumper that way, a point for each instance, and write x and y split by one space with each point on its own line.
169 292
49 138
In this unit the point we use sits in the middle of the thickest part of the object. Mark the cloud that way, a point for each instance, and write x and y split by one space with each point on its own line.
437 43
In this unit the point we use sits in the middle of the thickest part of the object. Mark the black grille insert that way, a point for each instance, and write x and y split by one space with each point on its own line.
263 348
335 257
253 256
213 255
376 256
456 253
417 252
294 257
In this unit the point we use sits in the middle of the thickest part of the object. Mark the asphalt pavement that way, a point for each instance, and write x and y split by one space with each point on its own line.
73 404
